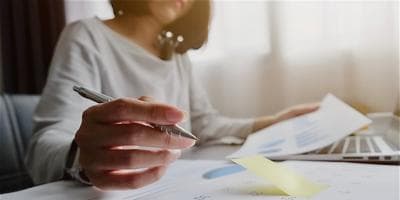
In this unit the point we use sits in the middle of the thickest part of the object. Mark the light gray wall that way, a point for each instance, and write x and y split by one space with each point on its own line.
354 57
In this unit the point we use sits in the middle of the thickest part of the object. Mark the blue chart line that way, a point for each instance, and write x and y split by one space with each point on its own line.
308 137
303 122
272 143
270 151
223 171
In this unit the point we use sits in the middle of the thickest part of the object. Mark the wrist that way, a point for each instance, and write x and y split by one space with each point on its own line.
73 168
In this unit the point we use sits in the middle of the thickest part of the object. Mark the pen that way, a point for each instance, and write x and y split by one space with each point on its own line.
102 98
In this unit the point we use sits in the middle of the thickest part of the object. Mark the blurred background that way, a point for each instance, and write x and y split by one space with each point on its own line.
261 56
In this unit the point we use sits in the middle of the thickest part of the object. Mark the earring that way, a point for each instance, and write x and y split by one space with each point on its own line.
120 12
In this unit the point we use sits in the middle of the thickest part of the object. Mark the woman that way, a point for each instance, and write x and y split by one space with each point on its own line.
128 56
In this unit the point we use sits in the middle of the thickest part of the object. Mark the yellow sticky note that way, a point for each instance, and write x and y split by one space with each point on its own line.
287 180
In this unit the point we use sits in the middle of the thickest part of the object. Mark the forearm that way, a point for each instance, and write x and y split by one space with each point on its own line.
46 157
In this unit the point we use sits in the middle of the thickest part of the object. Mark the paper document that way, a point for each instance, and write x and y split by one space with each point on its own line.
346 181
333 121
215 180
285 179
179 174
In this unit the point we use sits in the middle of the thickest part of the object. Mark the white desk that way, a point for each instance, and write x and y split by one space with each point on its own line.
371 182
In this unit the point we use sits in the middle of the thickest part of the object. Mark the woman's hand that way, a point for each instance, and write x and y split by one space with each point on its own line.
108 127
288 113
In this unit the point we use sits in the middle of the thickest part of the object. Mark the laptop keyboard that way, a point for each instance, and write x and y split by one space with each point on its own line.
374 145
351 146
364 148
356 144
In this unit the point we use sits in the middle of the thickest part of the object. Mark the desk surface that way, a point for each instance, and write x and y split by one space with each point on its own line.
353 181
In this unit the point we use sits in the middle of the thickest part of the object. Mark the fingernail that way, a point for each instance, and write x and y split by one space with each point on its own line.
176 152
174 116
185 116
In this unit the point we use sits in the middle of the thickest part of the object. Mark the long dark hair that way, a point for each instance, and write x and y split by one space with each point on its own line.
193 25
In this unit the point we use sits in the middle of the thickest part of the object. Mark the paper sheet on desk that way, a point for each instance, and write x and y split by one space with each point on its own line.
179 173
333 121
347 181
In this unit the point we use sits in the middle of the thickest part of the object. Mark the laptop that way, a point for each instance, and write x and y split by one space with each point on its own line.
380 143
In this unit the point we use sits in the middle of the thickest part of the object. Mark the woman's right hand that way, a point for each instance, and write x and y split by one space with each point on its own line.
107 127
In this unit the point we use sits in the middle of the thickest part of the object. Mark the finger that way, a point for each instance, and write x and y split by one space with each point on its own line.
112 135
121 181
130 159
314 105
305 108
134 110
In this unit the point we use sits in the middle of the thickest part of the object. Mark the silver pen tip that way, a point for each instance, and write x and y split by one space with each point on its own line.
76 88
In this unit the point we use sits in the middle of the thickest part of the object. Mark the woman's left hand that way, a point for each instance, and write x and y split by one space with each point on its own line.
285 114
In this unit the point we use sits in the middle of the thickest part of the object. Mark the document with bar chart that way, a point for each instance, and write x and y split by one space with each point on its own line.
332 122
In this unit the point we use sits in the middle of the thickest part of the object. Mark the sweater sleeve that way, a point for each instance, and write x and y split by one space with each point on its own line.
206 122
58 114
